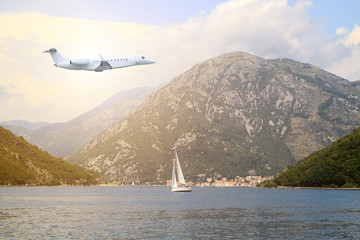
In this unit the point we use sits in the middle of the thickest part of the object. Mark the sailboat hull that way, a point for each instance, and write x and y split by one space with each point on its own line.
181 189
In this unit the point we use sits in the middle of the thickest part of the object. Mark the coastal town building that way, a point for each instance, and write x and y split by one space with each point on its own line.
248 181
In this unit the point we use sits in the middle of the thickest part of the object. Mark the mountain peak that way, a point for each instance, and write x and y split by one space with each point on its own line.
228 115
232 57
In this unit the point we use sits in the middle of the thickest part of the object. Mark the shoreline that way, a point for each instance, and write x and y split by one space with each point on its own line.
324 188
119 185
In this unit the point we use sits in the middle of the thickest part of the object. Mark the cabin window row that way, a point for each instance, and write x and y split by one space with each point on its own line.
113 60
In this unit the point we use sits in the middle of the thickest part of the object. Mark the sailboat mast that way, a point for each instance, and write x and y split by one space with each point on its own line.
173 182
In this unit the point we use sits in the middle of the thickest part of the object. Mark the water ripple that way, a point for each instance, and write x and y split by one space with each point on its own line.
156 213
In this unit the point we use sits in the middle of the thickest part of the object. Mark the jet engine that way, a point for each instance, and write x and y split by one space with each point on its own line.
80 61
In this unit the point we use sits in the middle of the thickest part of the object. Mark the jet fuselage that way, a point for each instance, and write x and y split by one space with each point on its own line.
97 65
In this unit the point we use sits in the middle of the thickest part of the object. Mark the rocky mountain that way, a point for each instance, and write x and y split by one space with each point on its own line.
61 139
22 163
337 165
236 114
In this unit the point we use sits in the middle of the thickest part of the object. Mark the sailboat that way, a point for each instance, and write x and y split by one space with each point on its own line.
178 185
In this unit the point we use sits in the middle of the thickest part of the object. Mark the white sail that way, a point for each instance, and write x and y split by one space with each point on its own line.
180 178
180 175
174 183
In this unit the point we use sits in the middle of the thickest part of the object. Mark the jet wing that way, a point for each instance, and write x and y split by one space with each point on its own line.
104 65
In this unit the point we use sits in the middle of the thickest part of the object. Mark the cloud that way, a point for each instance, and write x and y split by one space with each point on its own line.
21 97
33 91
349 65
353 38
4 95
341 31
269 29
69 32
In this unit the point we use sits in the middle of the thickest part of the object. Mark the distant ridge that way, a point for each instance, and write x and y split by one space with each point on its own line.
24 124
24 164
62 139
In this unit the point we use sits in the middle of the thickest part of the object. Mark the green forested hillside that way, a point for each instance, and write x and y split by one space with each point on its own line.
337 165
22 163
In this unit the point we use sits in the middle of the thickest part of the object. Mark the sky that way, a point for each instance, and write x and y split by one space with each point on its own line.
177 34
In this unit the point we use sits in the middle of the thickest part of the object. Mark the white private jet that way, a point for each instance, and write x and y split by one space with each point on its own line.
97 65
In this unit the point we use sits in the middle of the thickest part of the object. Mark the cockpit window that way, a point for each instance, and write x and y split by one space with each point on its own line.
142 57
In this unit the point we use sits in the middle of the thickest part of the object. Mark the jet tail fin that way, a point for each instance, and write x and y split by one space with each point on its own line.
55 55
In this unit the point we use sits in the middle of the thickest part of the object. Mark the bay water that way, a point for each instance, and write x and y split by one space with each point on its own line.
157 213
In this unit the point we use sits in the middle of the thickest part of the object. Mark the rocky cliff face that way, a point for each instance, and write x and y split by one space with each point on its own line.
230 115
